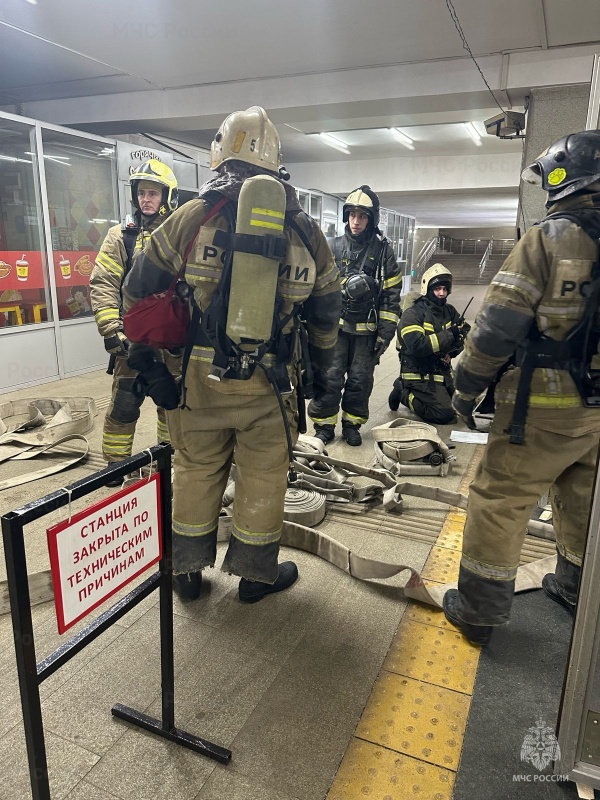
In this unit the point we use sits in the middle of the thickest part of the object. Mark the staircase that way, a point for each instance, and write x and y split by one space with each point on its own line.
493 266
464 266
464 269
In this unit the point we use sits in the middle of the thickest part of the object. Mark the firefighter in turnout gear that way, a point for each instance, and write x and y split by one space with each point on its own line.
431 333
371 284
541 311
154 196
231 410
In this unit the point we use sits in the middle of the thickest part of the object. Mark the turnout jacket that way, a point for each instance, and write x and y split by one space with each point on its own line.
311 285
540 287
425 337
352 256
107 277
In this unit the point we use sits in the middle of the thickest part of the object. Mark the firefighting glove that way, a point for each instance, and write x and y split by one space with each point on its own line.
381 345
464 408
154 379
456 330
158 383
117 344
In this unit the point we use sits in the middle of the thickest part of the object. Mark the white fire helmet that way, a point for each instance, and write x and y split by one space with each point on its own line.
248 136
435 276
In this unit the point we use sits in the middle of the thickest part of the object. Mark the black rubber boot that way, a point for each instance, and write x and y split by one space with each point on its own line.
351 434
187 585
115 481
253 591
326 433
551 588
395 395
476 634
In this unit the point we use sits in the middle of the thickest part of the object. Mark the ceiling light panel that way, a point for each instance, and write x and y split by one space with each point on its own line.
402 138
473 132
333 141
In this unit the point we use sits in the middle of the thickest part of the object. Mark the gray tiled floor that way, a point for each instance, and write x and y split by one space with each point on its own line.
282 683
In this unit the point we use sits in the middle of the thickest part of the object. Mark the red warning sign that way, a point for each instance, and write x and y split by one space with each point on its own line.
101 549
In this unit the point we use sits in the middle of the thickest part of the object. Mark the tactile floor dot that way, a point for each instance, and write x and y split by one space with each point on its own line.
382 726
442 565
395 777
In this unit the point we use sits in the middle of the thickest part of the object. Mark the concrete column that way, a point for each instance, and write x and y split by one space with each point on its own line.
553 112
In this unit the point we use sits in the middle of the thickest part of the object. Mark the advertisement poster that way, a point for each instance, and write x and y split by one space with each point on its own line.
22 281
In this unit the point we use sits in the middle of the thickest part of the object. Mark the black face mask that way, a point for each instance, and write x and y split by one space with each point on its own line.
437 301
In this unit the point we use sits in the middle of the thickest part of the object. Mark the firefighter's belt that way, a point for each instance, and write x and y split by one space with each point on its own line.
406 447
31 427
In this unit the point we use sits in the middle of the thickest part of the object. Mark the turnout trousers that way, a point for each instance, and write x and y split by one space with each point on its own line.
430 399
124 411
349 382
218 427
508 483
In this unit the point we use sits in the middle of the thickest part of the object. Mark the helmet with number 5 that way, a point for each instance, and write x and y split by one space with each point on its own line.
436 275
248 136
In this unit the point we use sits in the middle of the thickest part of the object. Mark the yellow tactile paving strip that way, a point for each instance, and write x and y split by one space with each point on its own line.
408 741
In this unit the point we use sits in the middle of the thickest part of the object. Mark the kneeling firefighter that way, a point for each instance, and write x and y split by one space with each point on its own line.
540 313
265 295
371 284
431 333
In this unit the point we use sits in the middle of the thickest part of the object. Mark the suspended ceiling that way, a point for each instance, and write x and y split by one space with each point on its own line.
344 66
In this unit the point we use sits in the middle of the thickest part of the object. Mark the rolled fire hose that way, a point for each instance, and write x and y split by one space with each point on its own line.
406 447
320 544
304 507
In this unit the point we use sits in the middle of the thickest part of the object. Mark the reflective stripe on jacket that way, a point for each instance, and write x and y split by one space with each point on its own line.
541 284
349 258
424 337
312 284
106 280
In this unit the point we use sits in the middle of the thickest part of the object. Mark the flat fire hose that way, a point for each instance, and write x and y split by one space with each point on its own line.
31 427
391 493
320 544
300 537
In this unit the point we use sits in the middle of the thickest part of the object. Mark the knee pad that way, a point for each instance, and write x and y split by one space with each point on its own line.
126 406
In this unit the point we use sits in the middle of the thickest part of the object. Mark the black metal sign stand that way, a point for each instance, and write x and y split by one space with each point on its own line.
32 674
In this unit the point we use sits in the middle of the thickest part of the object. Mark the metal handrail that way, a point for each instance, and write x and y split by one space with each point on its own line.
425 253
502 247
486 256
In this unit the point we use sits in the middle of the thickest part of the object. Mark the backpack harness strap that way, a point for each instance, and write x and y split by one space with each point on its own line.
573 353
208 327
129 239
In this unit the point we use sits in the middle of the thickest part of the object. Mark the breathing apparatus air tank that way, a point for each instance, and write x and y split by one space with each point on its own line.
253 290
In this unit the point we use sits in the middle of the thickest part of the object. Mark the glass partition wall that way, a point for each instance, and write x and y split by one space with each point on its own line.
57 200
24 284
82 206
60 191
327 210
